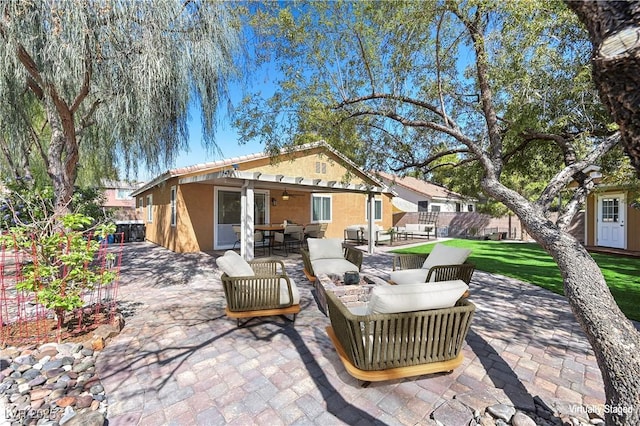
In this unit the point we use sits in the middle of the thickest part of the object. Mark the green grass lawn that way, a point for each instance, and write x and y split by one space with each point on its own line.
530 263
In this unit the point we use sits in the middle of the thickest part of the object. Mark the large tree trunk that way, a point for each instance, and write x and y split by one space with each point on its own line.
614 30
614 339
62 155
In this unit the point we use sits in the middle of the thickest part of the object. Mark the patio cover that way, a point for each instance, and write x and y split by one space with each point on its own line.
248 181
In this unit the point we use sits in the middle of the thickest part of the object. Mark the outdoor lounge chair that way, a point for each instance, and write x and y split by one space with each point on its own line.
327 256
404 332
442 264
257 288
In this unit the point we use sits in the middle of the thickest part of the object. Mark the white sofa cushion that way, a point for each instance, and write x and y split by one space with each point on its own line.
446 255
409 276
391 299
234 265
284 293
332 266
325 248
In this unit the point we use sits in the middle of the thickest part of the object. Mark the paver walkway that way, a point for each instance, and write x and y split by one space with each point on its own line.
180 361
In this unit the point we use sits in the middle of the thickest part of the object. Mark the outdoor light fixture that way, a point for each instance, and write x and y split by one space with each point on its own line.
274 202
285 195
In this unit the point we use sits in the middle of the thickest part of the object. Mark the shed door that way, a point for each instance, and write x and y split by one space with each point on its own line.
611 230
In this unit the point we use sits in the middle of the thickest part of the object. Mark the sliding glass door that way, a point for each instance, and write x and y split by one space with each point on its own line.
228 212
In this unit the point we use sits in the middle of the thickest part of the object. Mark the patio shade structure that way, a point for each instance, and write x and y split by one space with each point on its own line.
249 181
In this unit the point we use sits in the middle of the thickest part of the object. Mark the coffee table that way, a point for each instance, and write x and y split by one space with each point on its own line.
351 295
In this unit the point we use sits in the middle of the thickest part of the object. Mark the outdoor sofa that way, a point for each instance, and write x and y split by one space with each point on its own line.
417 229
257 288
404 331
442 264
328 256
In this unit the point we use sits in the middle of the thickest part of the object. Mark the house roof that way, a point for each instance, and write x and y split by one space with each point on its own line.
379 186
420 186
118 184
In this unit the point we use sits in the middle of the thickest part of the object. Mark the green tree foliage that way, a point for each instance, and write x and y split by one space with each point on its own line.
29 204
502 89
62 264
109 80
403 58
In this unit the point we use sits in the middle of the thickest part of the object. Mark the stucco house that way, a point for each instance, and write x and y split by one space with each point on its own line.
118 199
195 208
611 220
416 195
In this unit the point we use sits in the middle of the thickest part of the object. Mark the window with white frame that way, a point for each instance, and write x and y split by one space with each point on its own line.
141 203
174 213
149 208
320 208
435 208
377 215
610 210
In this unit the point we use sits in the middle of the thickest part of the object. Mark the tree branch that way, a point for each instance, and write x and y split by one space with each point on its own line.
86 83
366 62
402 99
571 172
486 95
567 148
567 214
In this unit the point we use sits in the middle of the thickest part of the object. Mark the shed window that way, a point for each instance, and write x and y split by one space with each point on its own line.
610 209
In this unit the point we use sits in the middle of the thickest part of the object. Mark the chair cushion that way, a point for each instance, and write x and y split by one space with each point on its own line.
332 266
234 265
409 276
325 248
446 255
391 299
284 293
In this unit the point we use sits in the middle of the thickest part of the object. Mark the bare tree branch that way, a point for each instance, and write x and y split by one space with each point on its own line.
403 99
568 174
568 150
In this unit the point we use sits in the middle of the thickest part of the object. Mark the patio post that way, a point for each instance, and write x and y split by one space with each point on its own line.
372 211
247 224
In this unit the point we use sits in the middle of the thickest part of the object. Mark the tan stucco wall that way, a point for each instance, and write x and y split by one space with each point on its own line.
195 216
306 164
590 239
633 227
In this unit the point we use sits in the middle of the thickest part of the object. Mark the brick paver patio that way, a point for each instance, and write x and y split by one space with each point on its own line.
179 360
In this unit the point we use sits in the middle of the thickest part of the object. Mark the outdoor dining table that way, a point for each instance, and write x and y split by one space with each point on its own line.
269 229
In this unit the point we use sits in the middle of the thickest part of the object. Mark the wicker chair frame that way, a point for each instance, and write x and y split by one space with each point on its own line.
462 272
259 295
351 254
381 347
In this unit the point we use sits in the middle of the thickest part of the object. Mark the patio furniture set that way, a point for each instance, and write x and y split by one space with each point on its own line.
414 323
281 237
359 234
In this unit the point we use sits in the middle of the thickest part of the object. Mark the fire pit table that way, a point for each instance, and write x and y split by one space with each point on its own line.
354 295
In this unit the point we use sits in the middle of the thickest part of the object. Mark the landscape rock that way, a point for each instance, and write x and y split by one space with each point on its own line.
52 385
